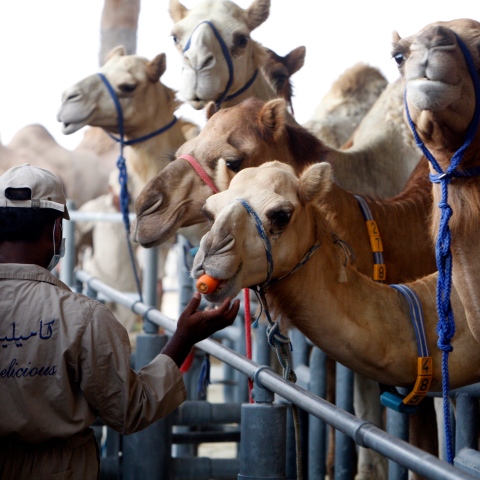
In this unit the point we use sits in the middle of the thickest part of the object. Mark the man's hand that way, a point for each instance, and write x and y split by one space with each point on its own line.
194 326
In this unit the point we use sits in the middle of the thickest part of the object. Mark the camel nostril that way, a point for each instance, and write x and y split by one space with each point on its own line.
72 97
152 208
207 63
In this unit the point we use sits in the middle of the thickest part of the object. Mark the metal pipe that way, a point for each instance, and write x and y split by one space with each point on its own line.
364 433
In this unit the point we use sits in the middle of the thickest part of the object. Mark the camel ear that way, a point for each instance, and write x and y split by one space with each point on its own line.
257 13
118 51
272 117
395 37
177 11
156 68
210 109
315 182
296 59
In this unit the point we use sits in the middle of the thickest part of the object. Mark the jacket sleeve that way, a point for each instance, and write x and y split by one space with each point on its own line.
125 400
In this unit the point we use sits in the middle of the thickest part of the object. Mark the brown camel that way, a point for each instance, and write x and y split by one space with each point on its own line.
346 103
176 196
233 140
441 101
371 331
278 71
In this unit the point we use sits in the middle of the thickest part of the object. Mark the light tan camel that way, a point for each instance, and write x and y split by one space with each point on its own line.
278 71
205 72
361 323
73 168
346 103
147 104
441 101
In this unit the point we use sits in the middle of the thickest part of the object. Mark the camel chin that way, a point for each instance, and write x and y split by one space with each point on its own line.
432 95
229 288
69 128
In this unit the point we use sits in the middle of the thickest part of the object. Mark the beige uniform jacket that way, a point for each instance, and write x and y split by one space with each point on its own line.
65 359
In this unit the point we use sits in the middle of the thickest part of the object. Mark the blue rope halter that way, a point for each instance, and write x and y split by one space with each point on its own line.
224 97
446 323
122 169
277 340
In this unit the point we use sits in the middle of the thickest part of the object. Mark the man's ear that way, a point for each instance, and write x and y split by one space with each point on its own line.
58 232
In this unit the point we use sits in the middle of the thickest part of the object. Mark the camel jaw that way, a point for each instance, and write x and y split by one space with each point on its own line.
431 94
73 119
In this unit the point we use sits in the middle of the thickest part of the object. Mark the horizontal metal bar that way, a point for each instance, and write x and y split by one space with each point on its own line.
364 433
79 216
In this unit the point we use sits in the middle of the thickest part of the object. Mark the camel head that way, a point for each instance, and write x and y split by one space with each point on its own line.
198 34
278 71
135 80
286 205
246 135
440 92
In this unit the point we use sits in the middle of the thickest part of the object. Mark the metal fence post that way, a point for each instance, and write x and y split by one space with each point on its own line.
317 442
345 450
263 437
67 264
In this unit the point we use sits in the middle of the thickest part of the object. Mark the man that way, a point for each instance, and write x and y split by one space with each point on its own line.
65 358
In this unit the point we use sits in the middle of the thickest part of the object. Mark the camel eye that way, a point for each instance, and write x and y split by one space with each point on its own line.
399 58
279 220
209 217
234 165
241 41
127 87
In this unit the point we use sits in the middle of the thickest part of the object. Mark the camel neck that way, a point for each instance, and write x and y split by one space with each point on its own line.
362 324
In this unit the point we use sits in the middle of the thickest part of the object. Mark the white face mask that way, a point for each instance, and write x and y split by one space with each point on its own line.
56 256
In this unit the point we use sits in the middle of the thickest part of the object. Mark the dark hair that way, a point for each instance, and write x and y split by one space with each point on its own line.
25 224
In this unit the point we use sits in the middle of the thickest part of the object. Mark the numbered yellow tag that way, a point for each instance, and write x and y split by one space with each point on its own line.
423 382
372 228
379 272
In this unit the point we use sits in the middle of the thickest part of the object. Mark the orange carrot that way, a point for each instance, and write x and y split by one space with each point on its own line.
207 284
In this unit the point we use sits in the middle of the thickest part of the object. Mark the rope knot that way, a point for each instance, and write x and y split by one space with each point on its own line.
445 346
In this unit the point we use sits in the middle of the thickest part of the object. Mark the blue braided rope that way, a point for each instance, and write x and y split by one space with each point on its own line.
226 54
122 179
204 378
133 141
263 235
228 59
446 323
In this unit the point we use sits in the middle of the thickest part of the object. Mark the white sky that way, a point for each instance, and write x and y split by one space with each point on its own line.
47 45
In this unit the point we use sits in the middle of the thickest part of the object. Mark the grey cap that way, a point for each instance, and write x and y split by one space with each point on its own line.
46 190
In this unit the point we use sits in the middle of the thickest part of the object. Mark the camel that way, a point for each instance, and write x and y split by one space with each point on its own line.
343 107
260 131
73 168
278 71
147 104
371 331
235 138
441 101
176 196
221 62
